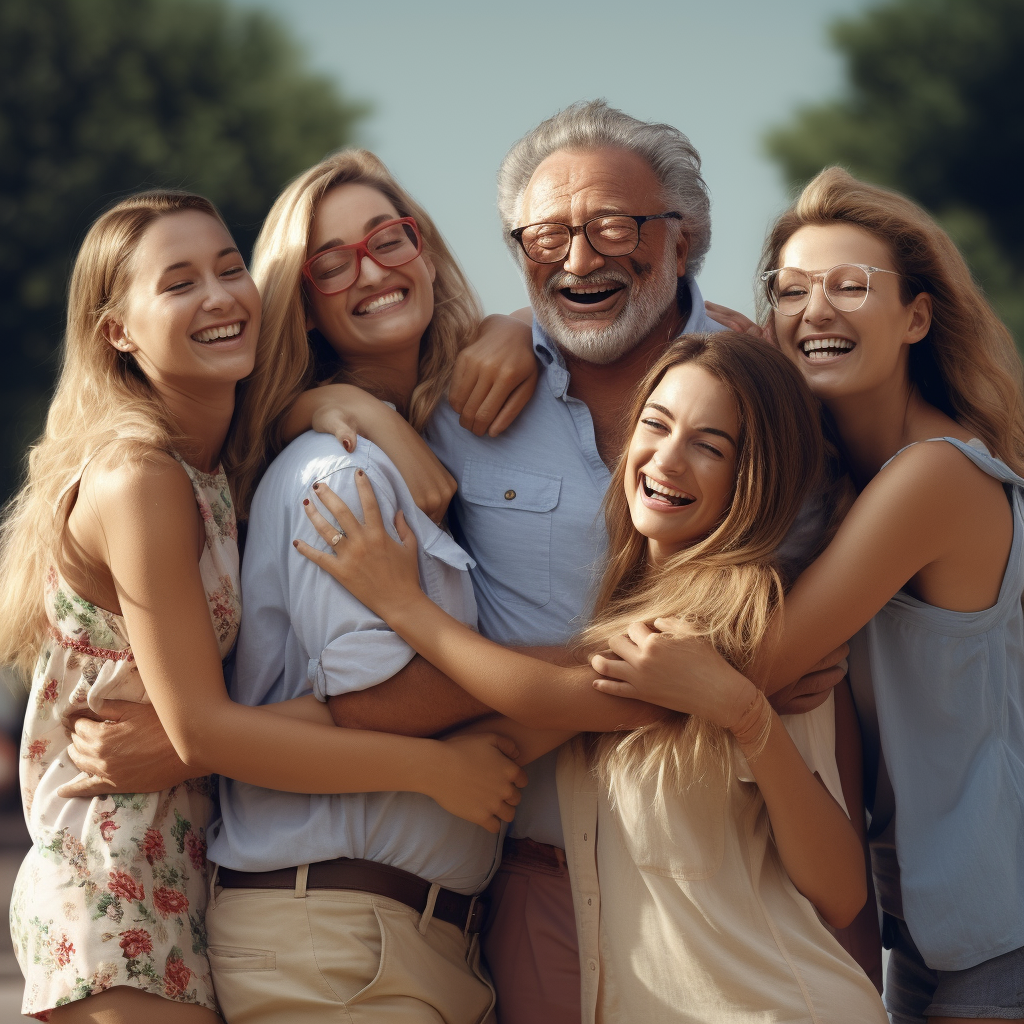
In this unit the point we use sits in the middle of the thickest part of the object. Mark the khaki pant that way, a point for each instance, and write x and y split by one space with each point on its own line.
281 956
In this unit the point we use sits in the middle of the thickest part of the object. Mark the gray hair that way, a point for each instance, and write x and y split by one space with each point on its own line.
592 124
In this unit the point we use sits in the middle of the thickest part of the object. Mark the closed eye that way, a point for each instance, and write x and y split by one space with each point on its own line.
654 424
711 448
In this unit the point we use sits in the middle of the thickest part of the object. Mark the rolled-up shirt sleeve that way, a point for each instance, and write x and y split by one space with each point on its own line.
349 648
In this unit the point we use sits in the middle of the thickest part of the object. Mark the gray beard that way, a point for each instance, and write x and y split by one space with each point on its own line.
644 307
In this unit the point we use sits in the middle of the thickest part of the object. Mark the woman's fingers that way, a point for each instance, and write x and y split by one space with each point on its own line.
514 405
405 534
612 668
341 512
638 632
83 784
617 688
371 510
326 529
624 647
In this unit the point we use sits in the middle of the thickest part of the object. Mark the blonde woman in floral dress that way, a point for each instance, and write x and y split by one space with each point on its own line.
119 564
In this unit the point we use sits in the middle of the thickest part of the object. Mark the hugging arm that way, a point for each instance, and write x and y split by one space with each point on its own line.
532 692
150 531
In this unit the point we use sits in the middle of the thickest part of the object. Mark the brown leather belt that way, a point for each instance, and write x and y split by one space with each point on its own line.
467 912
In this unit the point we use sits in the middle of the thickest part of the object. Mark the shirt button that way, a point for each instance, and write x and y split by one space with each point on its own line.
592 965
509 494
590 902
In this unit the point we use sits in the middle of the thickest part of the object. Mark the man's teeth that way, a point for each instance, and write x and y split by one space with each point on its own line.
380 302
593 289
825 348
674 497
216 333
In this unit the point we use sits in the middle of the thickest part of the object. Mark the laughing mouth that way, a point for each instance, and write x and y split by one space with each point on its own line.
817 349
654 489
218 333
588 295
381 302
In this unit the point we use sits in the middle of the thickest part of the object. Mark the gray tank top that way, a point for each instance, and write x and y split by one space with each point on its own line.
949 692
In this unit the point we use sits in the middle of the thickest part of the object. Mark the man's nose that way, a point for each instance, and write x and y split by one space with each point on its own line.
582 257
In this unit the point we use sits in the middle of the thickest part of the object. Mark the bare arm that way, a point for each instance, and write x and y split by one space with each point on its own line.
494 376
150 535
344 411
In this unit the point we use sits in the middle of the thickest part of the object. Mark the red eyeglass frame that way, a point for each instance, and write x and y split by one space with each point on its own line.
360 250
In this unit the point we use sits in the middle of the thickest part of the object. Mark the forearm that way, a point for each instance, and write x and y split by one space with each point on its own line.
299 417
531 743
817 843
303 709
534 693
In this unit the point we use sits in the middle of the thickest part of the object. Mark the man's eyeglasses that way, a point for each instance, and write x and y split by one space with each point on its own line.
392 244
616 235
846 286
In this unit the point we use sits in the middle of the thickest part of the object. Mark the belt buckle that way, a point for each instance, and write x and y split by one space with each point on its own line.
477 916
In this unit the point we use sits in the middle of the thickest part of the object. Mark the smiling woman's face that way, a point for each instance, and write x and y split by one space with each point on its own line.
844 354
387 309
681 462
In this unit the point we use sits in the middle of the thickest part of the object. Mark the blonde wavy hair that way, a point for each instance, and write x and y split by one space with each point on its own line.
727 586
278 257
967 365
102 401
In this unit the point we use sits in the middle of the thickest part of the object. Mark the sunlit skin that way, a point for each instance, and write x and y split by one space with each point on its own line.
572 188
882 330
686 442
384 341
189 278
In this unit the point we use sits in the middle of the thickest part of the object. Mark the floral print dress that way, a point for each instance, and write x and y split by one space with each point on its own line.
113 891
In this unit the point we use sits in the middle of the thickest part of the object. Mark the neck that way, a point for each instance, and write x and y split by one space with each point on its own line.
202 416
607 388
875 425
391 380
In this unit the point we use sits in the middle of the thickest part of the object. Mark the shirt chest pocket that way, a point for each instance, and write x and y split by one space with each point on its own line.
505 516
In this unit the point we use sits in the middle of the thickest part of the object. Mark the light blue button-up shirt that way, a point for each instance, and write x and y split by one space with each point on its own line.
303 632
528 510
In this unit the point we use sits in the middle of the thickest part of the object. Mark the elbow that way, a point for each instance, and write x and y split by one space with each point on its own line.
843 908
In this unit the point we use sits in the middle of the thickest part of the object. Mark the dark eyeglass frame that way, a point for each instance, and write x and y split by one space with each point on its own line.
575 229
773 299
360 249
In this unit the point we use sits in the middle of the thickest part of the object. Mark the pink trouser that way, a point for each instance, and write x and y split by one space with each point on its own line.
530 943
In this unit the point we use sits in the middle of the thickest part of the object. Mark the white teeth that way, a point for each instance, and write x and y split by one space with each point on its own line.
215 333
653 485
380 302
825 348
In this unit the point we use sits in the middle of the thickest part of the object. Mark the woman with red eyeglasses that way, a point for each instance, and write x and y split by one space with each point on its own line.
360 287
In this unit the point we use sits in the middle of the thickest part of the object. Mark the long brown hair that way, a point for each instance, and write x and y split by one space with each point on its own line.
102 401
967 365
278 257
727 586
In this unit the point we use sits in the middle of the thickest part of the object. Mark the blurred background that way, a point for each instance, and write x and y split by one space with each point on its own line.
99 98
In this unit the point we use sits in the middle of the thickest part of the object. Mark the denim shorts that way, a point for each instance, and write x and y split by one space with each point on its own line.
913 991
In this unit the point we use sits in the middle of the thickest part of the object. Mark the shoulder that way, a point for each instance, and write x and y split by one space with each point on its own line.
130 482
930 465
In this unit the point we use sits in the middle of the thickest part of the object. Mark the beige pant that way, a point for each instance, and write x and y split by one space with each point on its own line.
338 955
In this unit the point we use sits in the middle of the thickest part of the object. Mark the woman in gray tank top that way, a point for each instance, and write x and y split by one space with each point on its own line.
921 384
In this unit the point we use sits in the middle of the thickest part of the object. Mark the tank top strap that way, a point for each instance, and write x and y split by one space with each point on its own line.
976 451
213 496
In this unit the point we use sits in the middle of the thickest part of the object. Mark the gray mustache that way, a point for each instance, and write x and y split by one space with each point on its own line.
562 279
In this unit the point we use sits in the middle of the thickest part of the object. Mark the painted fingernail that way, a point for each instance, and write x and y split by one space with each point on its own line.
295 543
359 472
315 486
305 501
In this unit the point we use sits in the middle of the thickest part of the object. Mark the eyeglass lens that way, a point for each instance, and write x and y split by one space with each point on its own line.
610 236
846 288
392 246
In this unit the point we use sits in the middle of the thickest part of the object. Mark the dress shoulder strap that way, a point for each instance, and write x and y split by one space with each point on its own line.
976 451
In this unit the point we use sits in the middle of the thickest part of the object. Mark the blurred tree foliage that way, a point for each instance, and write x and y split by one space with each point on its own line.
99 98
935 109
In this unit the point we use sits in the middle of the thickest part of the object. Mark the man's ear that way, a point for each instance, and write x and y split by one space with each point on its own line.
117 336
920 309
682 252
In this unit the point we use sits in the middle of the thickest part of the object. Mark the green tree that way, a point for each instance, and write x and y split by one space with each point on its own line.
99 98
935 109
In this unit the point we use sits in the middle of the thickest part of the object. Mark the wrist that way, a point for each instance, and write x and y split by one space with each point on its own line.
751 729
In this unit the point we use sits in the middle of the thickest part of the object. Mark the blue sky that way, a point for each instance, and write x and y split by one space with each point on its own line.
453 83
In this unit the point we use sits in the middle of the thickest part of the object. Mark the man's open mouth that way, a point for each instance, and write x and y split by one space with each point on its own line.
590 295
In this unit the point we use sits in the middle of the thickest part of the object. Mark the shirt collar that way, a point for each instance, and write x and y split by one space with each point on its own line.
550 356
